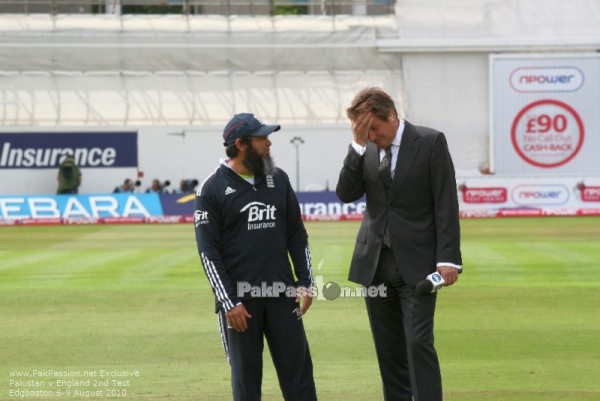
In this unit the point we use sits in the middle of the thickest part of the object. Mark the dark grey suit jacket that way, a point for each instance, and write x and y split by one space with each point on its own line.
422 211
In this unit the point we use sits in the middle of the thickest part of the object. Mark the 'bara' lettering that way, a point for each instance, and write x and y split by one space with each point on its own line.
52 157
47 207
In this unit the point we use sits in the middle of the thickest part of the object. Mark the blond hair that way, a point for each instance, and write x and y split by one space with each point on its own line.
374 100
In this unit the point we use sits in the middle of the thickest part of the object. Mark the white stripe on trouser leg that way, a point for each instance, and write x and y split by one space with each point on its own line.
309 265
222 328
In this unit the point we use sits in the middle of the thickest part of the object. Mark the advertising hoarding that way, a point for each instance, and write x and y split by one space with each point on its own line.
499 197
545 114
478 197
47 149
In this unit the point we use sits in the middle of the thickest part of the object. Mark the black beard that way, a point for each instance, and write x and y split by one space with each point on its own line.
259 165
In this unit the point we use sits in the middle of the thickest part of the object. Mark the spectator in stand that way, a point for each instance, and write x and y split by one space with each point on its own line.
186 187
127 186
158 187
69 176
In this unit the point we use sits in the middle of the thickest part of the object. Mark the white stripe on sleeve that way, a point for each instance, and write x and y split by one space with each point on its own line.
216 283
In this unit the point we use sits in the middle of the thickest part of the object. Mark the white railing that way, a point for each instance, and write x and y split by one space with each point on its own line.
223 7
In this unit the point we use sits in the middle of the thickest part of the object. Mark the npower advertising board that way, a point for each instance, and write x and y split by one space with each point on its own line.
545 114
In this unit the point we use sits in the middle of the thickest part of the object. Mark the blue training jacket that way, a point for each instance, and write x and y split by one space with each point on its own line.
245 233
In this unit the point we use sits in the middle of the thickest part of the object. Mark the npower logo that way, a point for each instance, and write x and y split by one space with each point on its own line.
589 194
483 195
540 195
546 79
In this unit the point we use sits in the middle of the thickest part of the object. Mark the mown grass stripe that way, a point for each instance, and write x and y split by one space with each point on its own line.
110 272
27 267
23 259
494 264
82 260
155 269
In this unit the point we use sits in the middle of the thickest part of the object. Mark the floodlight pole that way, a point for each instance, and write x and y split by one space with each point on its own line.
297 141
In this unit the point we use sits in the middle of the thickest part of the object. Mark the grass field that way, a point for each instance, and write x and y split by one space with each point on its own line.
521 324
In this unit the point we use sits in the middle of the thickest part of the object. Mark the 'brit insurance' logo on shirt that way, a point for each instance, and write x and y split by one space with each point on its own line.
200 217
260 215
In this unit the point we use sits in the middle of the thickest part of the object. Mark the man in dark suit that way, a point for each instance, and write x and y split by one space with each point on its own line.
410 230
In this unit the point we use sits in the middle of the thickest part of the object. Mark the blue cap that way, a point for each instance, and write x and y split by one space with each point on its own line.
245 124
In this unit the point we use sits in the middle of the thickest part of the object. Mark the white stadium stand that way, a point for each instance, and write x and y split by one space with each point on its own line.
166 75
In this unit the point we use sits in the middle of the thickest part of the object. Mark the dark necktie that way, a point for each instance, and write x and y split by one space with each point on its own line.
385 175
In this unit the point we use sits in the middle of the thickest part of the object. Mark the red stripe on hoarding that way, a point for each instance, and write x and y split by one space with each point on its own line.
42 222
352 217
123 220
82 221
322 217
474 214
588 212
165 219
519 213
464 214
332 217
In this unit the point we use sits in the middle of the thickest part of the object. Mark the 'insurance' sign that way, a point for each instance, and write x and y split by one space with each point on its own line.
47 150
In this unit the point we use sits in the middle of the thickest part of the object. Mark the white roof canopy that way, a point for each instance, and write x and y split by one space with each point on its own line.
178 70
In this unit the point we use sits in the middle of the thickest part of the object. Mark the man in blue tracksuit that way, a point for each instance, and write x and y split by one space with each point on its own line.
248 222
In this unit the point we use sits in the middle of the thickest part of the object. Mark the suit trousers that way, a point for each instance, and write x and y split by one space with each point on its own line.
402 328
279 321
